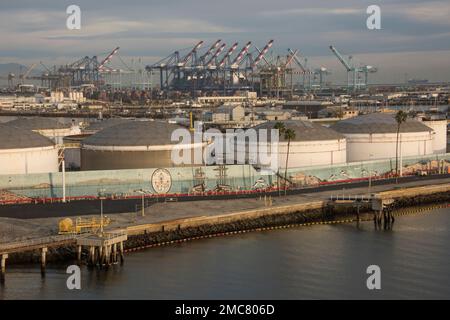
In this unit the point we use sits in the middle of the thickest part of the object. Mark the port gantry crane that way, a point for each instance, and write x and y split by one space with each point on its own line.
354 81
87 70
305 70
203 59
22 77
215 69
234 73
276 77
311 78
173 69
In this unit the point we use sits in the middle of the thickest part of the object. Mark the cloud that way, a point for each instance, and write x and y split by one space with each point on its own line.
312 11
35 30
115 26
430 12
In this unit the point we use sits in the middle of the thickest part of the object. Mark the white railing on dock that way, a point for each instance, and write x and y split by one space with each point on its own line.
36 242
351 197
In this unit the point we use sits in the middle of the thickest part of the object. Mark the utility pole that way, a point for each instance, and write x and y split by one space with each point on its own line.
370 176
142 192
101 195
64 180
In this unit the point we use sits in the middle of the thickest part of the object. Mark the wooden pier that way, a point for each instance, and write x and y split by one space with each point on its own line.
104 248
41 244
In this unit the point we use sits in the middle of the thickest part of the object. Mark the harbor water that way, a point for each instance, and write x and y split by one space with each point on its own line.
325 261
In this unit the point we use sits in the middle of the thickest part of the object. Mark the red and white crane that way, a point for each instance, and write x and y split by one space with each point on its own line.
190 54
210 50
228 54
215 55
241 55
108 58
262 53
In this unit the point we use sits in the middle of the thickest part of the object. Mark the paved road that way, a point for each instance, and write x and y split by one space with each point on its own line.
176 210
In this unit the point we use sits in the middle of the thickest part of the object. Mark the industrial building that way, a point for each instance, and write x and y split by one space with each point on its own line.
229 113
132 145
374 136
313 144
24 152
47 127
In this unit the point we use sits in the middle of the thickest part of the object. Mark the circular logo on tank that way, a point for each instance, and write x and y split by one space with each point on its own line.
161 181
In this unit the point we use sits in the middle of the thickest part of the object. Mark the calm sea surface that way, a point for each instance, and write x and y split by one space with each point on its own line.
326 261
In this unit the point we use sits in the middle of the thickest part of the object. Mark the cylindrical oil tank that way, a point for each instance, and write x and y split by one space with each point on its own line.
47 127
440 134
24 152
134 145
312 145
374 136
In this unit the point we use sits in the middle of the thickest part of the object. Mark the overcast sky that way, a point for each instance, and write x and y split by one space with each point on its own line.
414 40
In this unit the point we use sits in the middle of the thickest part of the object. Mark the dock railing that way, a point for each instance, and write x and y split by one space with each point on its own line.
36 242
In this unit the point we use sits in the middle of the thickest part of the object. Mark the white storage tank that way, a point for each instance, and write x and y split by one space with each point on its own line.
134 145
47 127
440 134
24 151
374 136
313 144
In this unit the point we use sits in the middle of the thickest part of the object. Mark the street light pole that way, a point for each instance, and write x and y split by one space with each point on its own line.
101 196
143 207
63 165
101 215
370 175
142 192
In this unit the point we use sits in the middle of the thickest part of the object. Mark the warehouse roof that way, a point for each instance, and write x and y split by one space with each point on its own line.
12 137
378 123
304 130
134 133
39 123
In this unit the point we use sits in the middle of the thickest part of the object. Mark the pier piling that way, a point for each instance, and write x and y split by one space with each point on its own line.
121 252
3 268
43 260
114 253
103 248
91 258
79 254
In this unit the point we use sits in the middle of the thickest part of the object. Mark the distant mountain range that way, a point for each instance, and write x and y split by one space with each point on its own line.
16 68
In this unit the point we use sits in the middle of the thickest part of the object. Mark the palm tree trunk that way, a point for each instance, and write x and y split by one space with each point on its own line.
278 182
286 167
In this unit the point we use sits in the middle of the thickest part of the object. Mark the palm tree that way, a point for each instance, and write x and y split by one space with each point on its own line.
281 129
289 134
400 117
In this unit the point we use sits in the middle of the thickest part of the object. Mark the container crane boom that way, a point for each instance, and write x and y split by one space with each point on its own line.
107 59
27 73
210 50
291 57
229 52
297 60
344 62
189 55
216 54
242 53
262 53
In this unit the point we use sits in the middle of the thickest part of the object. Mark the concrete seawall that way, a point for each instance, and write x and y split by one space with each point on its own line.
316 212
321 206
268 218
